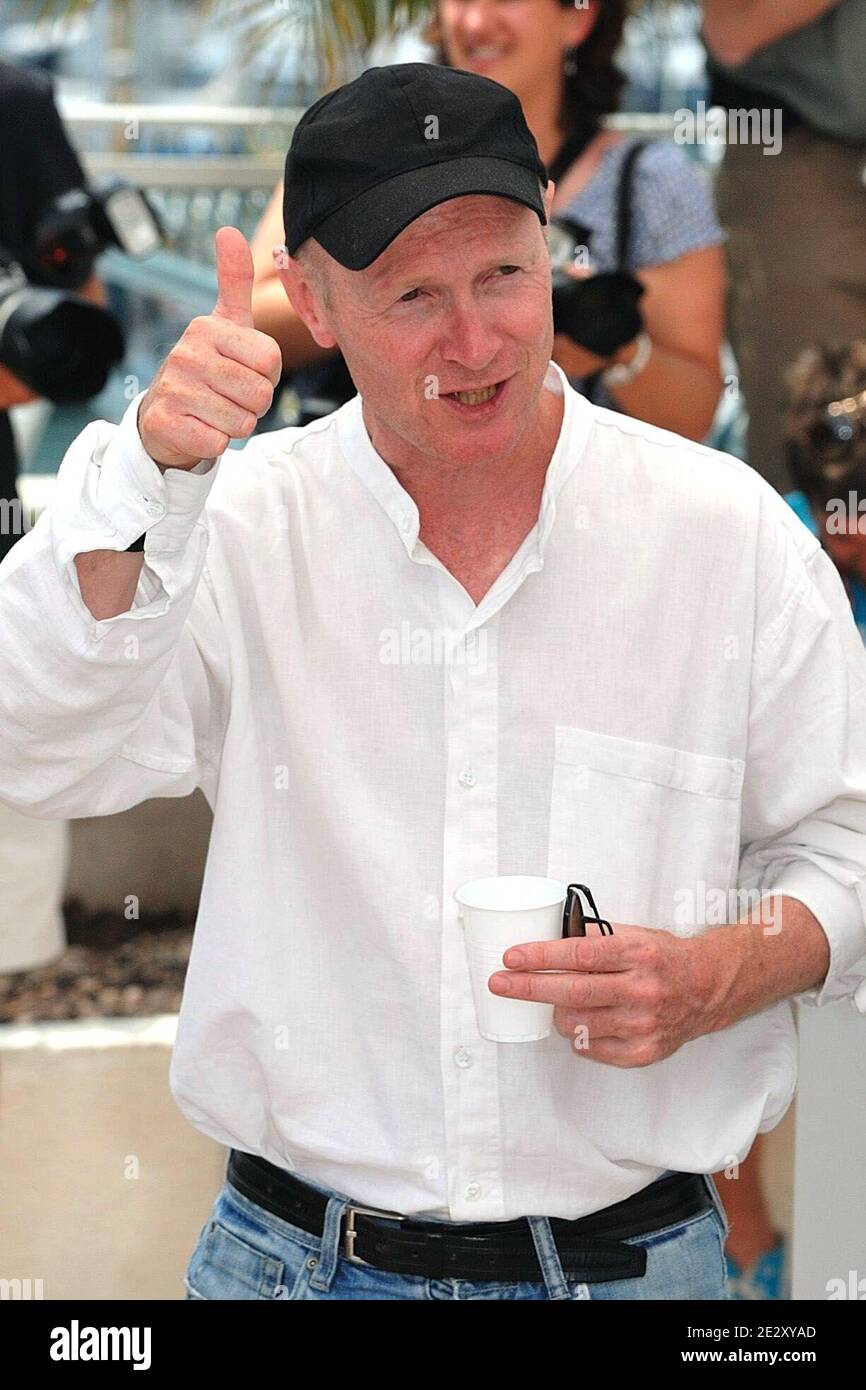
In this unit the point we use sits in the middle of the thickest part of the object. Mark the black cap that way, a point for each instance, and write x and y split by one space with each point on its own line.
367 159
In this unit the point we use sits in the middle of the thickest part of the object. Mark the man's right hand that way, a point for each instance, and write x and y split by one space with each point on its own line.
219 378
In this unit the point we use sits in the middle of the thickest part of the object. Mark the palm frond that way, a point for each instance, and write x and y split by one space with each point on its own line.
334 33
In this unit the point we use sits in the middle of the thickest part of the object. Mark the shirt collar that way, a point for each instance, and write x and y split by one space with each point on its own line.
400 507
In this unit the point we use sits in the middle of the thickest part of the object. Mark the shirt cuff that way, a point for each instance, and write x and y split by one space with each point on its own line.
841 911
135 496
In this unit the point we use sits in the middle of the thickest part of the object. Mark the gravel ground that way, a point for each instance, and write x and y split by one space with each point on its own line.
112 968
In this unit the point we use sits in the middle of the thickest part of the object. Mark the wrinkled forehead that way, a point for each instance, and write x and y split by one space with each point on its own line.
458 227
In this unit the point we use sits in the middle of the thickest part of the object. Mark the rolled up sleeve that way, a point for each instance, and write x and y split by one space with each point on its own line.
803 827
101 714
109 492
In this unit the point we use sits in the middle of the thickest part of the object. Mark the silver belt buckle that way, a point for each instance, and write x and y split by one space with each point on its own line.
352 1210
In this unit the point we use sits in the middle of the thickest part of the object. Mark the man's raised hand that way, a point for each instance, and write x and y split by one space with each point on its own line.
219 378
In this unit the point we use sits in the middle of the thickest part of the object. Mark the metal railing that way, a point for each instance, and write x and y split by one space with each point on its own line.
177 153
204 165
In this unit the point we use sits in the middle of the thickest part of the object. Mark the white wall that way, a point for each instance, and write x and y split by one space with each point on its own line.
830 1151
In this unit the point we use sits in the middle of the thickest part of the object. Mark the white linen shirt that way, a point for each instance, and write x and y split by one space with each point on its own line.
662 696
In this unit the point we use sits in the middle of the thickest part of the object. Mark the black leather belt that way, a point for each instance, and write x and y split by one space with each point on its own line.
591 1249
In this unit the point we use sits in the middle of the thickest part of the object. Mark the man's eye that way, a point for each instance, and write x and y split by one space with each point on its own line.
410 295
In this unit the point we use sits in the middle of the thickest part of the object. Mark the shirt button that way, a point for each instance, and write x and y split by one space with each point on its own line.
154 509
472 1191
467 777
463 1057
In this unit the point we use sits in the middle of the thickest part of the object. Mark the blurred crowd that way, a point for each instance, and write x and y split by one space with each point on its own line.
660 269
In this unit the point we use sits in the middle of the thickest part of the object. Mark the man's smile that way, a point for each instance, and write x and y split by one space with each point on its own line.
481 402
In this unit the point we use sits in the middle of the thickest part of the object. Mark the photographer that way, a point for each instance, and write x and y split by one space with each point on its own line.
37 163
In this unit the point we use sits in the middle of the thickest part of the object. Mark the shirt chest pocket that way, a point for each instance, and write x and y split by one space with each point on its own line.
652 830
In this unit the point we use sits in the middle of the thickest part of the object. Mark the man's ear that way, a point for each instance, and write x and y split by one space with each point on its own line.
305 301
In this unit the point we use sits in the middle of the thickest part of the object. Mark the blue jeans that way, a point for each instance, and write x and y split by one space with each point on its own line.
244 1252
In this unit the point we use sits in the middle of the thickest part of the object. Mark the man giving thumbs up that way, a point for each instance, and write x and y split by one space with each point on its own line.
219 378
216 382
366 640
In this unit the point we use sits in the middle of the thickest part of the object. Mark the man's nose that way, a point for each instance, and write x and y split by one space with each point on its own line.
468 338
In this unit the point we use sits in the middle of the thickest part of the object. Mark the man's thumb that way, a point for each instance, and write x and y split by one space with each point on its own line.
234 265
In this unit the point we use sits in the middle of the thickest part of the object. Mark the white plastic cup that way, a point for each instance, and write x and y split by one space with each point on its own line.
498 913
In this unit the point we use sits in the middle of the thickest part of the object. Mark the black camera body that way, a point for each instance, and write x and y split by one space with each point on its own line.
600 313
54 340
78 225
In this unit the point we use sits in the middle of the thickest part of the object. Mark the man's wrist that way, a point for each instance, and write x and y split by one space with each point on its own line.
135 495
717 965
161 466
744 966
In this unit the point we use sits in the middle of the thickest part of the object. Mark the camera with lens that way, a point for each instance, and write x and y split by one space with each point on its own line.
53 339
600 313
